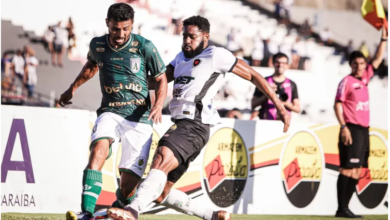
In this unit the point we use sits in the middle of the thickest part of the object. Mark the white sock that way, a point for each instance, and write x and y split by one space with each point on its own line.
181 202
150 189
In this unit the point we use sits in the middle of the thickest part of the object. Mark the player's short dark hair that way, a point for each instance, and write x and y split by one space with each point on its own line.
277 56
356 54
199 21
120 12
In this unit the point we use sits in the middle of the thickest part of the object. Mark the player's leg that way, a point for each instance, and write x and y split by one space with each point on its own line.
181 202
103 135
136 143
351 158
182 143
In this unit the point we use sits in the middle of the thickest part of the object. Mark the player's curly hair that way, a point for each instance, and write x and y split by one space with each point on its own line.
199 21
120 12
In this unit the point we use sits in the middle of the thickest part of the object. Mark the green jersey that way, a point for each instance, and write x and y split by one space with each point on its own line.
123 75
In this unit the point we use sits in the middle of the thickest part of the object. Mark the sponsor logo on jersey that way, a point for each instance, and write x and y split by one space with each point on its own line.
363 106
135 64
134 43
177 93
225 167
131 86
117 58
100 49
184 79
117 67
140 102
103 43
196 62
373 182
302 166
133 50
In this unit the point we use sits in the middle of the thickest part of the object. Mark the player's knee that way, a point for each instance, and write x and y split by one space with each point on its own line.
99 153
164 159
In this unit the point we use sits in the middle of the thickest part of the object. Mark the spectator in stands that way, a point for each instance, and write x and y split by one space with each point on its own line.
18 65
305 29
232 43
60 43
258 50
71 35
30 77
285 8
346 51
6 63
285 88
352 110
326 37
48 37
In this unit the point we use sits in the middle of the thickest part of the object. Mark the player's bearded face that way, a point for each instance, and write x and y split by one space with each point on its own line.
191 52
119 31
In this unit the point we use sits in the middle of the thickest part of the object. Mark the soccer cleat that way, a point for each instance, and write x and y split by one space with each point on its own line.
121 214
78 216
346 213
221 215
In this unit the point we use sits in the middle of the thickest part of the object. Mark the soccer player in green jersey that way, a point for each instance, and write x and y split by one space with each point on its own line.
123 61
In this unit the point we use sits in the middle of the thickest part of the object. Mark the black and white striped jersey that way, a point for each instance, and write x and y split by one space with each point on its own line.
197 81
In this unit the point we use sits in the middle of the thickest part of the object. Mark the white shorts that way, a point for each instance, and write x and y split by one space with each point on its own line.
136 139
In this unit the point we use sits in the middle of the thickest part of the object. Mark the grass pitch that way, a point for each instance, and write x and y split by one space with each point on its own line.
19 216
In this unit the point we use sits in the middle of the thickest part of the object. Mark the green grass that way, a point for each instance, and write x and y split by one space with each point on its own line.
19 216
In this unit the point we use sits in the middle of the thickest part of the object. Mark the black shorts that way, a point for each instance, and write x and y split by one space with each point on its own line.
355 155
57 48
186 138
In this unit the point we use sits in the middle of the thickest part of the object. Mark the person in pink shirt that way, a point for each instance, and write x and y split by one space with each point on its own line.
353 113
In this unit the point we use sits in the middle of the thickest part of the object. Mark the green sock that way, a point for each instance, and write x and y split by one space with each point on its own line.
92 186
121 200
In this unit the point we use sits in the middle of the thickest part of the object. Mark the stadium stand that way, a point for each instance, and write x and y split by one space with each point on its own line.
155 19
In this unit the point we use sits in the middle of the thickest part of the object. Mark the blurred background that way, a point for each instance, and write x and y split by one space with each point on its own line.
317 36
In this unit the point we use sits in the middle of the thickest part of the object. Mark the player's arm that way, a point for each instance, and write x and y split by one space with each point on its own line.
88 71
342 91
294 106
378 58
243 70
169 76
157 69
161 87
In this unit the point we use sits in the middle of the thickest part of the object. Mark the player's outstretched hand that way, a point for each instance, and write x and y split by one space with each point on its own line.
285 117
66 97
156 114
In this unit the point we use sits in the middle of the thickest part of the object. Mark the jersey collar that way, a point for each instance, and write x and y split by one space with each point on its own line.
124 46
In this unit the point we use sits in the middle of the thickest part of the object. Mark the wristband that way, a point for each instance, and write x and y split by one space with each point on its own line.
383 39
343 126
